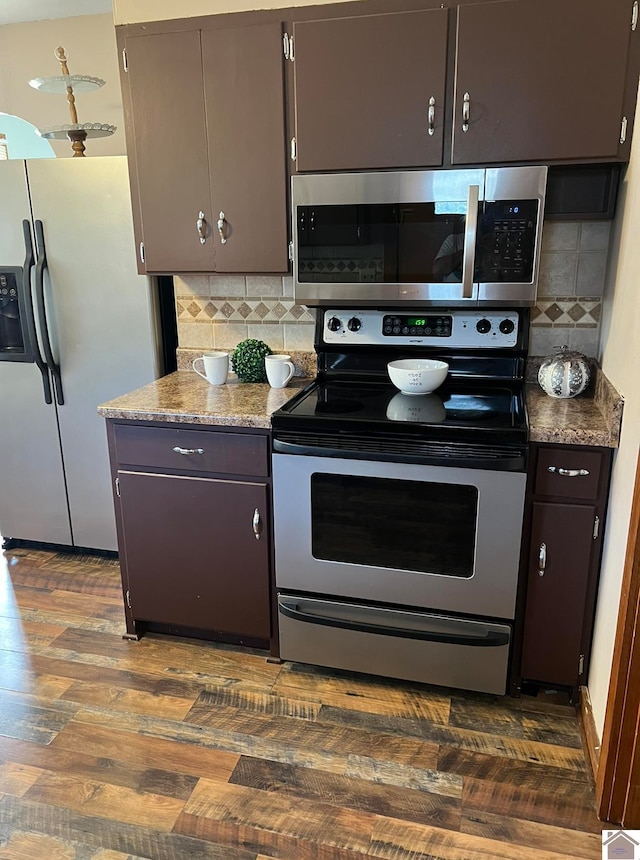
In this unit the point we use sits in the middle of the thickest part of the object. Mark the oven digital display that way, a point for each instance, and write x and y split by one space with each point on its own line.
409 326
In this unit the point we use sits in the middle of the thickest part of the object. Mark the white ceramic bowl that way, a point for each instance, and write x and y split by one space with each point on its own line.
417 375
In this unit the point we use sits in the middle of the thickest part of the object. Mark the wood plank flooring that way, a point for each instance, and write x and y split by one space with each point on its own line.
166 749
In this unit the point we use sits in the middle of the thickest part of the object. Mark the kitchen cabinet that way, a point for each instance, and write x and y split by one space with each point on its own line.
193 509
524 82
369 90
541 81
566 521
205 121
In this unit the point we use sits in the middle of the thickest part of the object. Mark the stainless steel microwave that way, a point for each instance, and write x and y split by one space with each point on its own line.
433 237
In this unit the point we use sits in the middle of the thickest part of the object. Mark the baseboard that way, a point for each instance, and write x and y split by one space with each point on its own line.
590 733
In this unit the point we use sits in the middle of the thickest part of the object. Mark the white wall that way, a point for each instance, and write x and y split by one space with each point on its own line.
620 358
27 52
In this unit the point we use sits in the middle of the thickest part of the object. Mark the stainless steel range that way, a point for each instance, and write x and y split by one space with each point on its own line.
398 518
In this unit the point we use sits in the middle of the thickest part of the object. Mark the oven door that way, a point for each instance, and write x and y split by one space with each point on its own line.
431 537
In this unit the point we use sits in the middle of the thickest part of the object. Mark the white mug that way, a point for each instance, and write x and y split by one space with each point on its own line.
279 370
215 366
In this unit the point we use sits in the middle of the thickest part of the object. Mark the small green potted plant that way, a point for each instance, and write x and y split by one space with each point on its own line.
247 360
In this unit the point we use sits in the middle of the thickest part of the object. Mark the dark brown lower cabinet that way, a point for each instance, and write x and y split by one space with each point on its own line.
192 555
567 506
561 538
194 534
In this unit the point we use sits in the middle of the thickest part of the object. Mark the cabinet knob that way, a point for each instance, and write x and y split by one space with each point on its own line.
222 228
432 116
201 227
257 524
542 559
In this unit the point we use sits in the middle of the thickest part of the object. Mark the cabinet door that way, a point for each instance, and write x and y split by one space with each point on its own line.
362 91
545 80
247 155
561 547
192 557
167 106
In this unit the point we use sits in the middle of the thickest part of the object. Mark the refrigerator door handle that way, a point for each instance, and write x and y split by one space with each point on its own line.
41 265
30 320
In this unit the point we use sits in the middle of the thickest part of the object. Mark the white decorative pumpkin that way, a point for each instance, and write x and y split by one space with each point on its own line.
565 374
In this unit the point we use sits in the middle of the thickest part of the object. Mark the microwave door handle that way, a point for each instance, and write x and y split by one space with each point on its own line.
28 304
471 230
41 265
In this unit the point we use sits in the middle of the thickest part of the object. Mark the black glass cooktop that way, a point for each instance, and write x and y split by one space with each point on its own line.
379 405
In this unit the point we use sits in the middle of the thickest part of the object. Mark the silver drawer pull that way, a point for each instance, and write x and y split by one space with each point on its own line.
542 559
569 473
257 524
187 451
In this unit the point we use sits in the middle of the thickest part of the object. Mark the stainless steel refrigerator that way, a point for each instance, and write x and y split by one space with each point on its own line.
78 326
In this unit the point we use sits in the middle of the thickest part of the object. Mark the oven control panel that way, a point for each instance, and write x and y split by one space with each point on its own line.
456 328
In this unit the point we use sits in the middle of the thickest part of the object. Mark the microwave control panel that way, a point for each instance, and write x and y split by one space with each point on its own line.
506 241
458 328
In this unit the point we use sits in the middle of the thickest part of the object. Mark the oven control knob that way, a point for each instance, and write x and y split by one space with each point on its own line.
354 324
507 326
334 324
483 326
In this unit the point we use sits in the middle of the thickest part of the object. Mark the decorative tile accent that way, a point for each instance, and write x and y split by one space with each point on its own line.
576 312
554 312
567 313
250 310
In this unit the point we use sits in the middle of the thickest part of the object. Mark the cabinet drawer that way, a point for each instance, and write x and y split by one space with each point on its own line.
571 473
192 450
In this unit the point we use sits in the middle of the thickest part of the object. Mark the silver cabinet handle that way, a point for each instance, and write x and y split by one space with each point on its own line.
221 228
432 115
201 227
257 524
187 451
542 559
466 111
142 252
569 473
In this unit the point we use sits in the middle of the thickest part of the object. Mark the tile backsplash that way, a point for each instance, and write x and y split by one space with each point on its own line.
218 311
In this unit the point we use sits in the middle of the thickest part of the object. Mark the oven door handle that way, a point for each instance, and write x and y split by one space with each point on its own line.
491 639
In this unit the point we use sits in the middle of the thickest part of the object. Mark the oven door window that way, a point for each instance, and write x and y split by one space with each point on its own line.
404 525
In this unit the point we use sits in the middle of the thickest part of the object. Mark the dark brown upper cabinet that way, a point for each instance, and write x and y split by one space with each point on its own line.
369 91
541 81
209 166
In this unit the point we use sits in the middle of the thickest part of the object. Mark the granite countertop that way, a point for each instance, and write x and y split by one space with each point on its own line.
183 397
592 418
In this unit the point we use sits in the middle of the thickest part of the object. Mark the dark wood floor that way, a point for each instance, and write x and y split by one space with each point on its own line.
168 749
